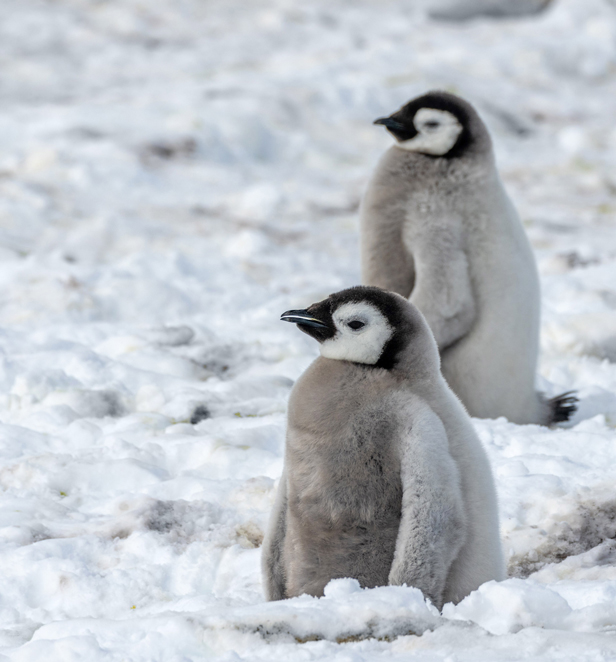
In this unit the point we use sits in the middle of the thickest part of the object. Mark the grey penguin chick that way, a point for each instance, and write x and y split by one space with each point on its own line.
384 478
438 228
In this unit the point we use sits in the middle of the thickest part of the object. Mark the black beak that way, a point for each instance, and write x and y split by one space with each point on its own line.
389 123
302 317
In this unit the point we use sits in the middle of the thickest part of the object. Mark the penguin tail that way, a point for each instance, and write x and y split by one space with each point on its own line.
563 406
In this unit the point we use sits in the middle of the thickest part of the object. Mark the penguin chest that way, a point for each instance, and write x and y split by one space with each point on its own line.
345 503
351 480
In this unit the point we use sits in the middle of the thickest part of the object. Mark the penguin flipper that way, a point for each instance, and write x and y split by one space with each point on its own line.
272 562
433 523
563 406
443 292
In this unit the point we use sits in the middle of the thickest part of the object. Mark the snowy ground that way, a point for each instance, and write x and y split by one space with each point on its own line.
174 175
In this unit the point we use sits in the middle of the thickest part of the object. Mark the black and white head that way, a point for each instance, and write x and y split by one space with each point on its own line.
365 325
436 124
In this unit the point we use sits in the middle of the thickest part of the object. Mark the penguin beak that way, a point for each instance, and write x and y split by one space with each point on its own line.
389 123
303 318
312 322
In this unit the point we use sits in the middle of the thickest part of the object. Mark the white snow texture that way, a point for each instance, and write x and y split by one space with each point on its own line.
175 174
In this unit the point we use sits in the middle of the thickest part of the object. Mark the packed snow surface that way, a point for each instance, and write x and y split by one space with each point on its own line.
173 176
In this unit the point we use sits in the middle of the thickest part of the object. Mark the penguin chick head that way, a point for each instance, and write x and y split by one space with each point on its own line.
364 325
435 124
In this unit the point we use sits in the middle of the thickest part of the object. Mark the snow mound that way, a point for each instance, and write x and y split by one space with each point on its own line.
346 613
515 604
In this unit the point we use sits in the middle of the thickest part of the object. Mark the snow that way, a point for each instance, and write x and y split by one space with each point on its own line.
175 175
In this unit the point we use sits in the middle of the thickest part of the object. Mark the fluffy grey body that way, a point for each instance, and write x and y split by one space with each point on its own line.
385 480
440 230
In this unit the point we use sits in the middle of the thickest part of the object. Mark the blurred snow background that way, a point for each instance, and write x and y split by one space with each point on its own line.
174 175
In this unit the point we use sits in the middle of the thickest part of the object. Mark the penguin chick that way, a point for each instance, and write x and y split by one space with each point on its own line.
384 479
438 228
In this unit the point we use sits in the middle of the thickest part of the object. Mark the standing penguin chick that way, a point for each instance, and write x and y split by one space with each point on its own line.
384 478
438 228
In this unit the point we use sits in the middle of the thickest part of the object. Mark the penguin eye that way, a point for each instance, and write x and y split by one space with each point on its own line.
431 124
356 324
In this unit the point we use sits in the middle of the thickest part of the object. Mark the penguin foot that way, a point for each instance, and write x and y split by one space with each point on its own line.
563 406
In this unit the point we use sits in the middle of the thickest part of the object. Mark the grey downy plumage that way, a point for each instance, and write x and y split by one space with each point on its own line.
438 228
385 479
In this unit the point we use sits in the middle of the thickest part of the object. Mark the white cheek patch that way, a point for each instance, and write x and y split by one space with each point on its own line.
364 345
435 140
